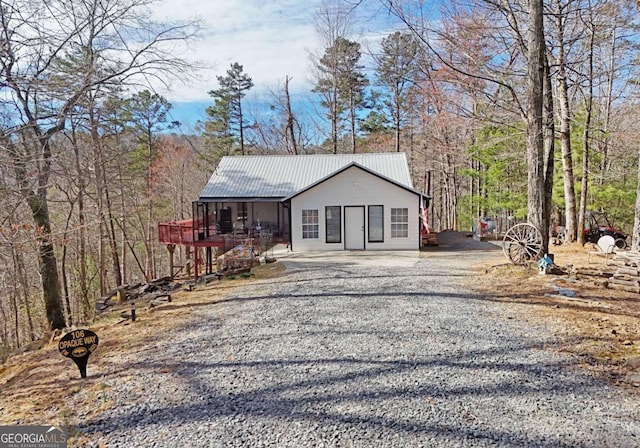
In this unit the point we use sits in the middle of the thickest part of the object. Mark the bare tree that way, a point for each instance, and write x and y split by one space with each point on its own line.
561 15
53 53
291 120
635 238
502 72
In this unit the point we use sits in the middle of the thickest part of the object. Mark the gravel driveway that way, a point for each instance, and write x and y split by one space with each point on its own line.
363 350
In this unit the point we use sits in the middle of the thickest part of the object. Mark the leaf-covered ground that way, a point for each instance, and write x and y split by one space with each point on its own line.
601 326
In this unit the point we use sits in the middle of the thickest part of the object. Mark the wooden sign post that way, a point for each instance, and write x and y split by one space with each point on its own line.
78 345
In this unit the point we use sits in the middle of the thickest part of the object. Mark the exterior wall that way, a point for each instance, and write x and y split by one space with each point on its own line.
355 187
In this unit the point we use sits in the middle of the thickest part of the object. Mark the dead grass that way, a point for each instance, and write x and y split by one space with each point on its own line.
600 326
43 387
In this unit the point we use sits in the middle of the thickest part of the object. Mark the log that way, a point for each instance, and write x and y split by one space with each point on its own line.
628 271
630 259
617 281
631 278
593 272
635 289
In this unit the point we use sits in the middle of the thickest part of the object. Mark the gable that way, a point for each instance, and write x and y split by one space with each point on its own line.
354 166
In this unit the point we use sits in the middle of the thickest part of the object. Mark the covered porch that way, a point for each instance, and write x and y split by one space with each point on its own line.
217 227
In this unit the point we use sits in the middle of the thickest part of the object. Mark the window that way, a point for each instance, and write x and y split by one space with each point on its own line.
399 223
242 211
376 224
333 221
309 224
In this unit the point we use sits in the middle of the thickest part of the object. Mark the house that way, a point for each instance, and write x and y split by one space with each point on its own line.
317 202
312 202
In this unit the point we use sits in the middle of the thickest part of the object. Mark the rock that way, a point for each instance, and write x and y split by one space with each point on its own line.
633 379
627 342
634 361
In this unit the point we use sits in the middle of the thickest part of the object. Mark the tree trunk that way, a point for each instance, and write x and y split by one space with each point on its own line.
635 238
586 137
100 189
83 277
565 133
352 113
290 118
48 263
334 119
106 216
65 285
549 144
603 142
584 188
16 319
240 125
396 120
150 267
24 285
5 330
38 204
535 122
63 268
111 232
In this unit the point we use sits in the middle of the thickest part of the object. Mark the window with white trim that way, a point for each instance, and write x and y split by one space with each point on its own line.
399 223
310 224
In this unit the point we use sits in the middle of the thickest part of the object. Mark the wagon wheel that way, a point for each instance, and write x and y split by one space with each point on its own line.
521 243
621 243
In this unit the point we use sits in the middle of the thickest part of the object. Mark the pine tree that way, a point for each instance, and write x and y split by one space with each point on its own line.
225 120
341 83
397 68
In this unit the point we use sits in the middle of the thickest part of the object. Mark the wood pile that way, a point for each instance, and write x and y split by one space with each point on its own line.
228 263
626 278
144 291
602 272
629 257
429 239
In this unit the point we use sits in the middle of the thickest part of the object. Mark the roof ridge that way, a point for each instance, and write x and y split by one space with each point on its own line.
317 155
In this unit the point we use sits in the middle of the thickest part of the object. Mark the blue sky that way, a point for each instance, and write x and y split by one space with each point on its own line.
270 38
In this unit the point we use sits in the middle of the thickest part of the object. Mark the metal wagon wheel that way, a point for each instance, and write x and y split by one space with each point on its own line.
521 243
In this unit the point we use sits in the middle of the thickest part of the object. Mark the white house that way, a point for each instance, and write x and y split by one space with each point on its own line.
314 202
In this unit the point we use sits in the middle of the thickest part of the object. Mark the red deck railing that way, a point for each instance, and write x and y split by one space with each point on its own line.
176 232
182 233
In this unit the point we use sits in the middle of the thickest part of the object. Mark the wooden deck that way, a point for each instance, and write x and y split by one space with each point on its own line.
182 233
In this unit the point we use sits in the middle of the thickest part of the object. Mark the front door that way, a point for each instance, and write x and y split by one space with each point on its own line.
354 228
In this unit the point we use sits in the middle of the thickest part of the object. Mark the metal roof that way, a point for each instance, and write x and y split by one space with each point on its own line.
280 176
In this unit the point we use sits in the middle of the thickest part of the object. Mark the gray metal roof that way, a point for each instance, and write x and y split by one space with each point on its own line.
280 176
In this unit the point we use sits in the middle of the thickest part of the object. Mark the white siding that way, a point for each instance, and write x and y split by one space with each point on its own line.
355 187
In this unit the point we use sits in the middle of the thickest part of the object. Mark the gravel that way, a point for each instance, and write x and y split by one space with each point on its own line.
361 350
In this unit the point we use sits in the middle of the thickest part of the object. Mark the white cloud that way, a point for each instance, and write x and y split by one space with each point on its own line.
270 39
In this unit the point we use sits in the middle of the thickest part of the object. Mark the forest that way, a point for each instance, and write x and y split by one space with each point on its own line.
514 110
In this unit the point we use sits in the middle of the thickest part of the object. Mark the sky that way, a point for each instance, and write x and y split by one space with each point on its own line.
271 39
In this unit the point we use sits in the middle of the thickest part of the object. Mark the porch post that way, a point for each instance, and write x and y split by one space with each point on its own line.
171 248
196 261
